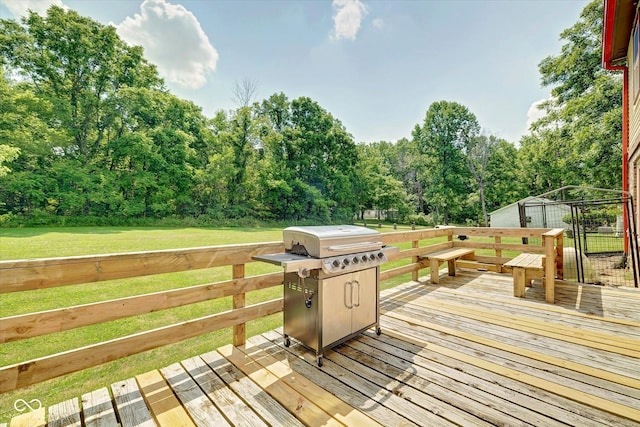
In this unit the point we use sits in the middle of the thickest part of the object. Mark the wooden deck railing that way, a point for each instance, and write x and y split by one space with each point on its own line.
31 275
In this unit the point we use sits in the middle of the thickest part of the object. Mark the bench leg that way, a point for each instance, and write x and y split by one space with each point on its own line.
452 267
434 264
518 282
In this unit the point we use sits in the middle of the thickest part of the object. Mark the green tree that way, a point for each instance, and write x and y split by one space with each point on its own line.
97 132
377 187
578 142
448 127
308 168
76 64
7 154
503 176
478 151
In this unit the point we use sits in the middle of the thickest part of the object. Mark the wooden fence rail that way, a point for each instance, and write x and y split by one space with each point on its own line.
32 275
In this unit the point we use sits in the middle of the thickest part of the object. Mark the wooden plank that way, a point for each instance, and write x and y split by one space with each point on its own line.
607 342
548 241
526 260
398 271
557 314
326 401
14 328
272 343
408 384
130 405
479 265
408 236
296 403
588 384
451 398
413 415
567 392
34 371
534 355
162 403
513 393
499 231
239 301
519 275
530 340
195 401
517 247
24 275
227 402
434 272
551 330
603 293
264 405
29 419
65 414
414 274
97 409
448 254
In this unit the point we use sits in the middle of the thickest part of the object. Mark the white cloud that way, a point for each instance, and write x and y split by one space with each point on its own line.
20 7
535 113
378 23
173 40
347 19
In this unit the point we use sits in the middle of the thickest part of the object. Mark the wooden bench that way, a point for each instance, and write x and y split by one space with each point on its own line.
449 255
525 268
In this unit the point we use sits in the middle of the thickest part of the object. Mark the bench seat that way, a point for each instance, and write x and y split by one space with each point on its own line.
448 255
525 268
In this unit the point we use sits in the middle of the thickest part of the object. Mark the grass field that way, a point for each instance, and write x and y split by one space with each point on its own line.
58 242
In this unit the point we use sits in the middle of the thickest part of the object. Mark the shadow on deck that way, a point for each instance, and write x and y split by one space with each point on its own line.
465 352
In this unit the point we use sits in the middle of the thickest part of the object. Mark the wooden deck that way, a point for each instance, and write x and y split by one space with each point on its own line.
466 352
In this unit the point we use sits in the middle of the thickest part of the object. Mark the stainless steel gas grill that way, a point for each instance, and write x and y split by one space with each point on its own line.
331 283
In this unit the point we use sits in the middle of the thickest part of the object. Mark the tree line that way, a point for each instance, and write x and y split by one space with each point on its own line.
89 132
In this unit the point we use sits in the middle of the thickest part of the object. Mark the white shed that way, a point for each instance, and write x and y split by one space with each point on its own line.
540 213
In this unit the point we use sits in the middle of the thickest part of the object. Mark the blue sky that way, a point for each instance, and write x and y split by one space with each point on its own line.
376 65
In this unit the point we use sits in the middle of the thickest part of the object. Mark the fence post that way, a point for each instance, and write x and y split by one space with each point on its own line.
560 256
416 273
239 300
549 268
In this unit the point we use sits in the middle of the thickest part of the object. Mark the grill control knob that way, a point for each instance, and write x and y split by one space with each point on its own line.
372 257
336 263
345 261
380 255
364 258
355 260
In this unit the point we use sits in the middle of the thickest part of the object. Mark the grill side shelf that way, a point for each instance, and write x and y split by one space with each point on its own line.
289 262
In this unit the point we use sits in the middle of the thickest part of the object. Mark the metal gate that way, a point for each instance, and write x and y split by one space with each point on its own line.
600 238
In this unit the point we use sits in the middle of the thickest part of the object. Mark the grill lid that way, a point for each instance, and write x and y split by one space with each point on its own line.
330 240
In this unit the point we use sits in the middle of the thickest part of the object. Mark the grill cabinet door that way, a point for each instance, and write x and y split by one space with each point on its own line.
365 299
336 308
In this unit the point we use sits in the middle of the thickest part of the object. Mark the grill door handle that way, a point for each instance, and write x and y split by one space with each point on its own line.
350 293
357 293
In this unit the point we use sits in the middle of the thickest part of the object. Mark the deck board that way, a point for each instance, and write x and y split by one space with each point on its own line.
464 352
98 409
190 383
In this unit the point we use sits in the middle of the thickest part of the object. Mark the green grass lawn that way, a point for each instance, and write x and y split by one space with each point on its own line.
25 243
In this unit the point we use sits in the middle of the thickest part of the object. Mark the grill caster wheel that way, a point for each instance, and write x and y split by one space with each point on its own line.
320 361
378 331
287 341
